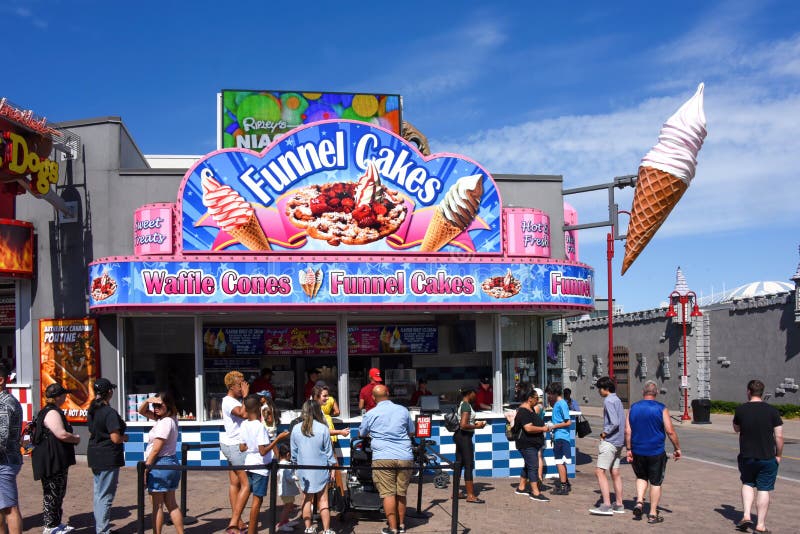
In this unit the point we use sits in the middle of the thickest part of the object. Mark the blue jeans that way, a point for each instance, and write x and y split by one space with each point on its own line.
530 469
105 487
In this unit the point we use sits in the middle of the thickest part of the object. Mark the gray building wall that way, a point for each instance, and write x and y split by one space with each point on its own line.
743 340
755 338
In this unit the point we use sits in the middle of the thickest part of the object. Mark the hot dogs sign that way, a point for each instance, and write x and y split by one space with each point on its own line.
339 186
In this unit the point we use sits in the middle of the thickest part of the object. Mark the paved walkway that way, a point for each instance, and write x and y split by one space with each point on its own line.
697 497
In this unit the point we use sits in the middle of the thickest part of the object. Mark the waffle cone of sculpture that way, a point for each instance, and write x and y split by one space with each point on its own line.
251 235
440 232
657 192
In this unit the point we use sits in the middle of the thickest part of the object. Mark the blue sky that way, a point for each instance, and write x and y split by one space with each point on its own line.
578 89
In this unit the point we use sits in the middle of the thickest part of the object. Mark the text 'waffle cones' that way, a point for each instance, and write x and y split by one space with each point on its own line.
251 235
657 193
440 232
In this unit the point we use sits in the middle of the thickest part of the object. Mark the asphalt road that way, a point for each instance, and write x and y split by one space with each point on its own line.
717 445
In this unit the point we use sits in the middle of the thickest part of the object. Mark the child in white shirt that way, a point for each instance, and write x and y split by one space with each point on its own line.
258 451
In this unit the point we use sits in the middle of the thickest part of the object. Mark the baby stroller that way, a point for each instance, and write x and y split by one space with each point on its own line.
430 462
361 491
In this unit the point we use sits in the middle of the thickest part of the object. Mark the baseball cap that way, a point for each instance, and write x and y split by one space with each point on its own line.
539 392
103 385
54 390
485 380
375 374
264 393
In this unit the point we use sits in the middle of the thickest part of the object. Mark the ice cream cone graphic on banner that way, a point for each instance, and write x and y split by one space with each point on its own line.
233 214
664 174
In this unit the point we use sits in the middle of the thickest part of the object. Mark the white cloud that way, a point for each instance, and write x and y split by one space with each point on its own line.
746 174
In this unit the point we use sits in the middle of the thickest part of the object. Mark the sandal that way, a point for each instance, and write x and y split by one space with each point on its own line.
653 519
232 530
477 500
638 510
745 525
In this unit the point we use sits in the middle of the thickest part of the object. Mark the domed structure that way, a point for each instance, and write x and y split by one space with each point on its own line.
758 289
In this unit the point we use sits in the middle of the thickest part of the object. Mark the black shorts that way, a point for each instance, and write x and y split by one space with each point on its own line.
650 468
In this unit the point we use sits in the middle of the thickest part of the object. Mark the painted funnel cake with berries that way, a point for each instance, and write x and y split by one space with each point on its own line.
501 287
350 213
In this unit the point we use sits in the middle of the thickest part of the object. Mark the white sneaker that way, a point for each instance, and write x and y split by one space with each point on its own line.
310 530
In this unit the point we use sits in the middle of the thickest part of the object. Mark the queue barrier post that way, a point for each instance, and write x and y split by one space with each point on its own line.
454 512
140 466
273 496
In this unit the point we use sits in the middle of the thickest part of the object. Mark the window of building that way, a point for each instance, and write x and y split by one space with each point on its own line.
519 340
159 356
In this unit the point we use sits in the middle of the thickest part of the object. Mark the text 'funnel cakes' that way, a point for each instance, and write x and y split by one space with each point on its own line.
664 174
233 214
454 213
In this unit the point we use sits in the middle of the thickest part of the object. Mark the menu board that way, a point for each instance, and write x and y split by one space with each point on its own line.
319 340
7 312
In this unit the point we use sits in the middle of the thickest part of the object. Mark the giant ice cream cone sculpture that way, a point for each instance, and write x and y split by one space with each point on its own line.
233 214
664 174
455 213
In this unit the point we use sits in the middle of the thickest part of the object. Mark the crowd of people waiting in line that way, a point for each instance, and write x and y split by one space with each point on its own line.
250 438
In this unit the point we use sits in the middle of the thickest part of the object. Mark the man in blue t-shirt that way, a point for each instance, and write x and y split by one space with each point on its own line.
647 427
559 424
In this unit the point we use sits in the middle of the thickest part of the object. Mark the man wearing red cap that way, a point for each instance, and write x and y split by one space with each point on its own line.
365 400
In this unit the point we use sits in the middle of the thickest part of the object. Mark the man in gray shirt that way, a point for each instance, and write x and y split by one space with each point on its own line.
609 456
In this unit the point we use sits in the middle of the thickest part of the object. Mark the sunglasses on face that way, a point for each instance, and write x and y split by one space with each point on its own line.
157 405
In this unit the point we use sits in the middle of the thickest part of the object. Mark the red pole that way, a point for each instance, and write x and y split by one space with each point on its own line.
685 416
609 257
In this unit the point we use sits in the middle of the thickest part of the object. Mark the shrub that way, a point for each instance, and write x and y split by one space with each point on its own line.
787 411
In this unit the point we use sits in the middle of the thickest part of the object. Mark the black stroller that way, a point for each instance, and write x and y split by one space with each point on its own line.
361 491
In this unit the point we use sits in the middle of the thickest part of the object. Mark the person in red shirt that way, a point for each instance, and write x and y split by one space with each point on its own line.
264 383
422 390
313 376
484 396
365 400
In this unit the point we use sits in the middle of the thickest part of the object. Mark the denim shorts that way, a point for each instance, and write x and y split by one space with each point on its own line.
562 451
232 454
8 485
760 474
258 484
162 480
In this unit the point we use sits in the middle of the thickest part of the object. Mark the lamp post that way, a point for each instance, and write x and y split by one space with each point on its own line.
683 299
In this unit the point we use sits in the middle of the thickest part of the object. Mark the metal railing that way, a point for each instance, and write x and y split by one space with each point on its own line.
184 468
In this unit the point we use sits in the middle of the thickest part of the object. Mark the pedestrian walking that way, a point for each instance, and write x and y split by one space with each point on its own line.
559 424
233 414
572 403
530 428
162 441
257 447
52 457
105 453
647 427
609 450
465 448
389 427
10 456
311 445
760 429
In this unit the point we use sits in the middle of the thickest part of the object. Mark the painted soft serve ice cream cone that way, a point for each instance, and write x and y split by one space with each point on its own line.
664 174
455 213
233 214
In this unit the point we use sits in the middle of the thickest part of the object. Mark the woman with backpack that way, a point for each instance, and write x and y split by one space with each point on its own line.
465 449
529 430
52 456
106 451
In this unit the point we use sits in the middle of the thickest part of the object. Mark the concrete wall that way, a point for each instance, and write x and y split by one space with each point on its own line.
648 333
760 341
758 337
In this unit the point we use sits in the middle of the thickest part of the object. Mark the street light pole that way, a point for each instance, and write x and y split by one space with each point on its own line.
683 299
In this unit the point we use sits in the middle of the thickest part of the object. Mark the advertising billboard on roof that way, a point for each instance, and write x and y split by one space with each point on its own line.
253 119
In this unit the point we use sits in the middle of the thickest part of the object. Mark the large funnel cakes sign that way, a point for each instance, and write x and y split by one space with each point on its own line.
339 186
